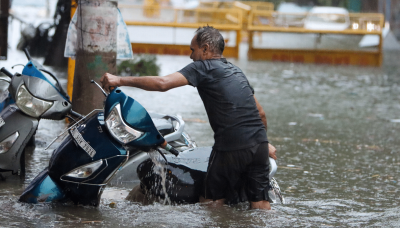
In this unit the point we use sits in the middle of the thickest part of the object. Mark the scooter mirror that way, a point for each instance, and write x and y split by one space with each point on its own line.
27 54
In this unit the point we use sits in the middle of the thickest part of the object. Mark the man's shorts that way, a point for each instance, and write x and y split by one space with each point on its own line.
231 171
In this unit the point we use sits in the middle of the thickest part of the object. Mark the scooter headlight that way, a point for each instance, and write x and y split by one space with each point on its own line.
118 129
7 143
31 105
86 170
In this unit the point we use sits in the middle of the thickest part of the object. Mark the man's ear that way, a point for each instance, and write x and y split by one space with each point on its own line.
205 48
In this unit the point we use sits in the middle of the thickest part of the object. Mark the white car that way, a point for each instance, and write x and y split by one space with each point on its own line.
327 18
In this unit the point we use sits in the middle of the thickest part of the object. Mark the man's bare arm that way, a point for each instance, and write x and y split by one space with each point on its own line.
149 83
261 112
271 148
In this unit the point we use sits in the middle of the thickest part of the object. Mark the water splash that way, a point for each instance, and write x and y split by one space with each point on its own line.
160 169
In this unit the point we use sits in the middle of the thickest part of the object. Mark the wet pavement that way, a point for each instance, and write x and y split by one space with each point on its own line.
336 130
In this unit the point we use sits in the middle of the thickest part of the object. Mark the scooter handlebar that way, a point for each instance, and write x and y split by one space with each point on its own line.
170 149
76 114
6 72
174 151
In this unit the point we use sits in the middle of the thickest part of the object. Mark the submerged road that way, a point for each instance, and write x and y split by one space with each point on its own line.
336 130
335 127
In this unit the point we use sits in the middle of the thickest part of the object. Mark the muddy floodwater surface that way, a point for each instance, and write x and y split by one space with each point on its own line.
336 130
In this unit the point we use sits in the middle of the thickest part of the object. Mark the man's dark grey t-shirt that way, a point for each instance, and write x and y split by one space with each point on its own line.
229 102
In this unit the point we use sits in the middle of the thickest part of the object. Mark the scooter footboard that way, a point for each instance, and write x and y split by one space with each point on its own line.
42 189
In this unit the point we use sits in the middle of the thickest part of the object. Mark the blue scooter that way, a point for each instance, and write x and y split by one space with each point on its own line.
94 150
37 94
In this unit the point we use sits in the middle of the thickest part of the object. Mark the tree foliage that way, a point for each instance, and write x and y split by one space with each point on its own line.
141 65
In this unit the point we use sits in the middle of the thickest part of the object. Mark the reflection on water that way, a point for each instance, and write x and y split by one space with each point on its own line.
337 143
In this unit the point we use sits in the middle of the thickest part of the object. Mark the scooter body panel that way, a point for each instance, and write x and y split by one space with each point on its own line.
83 194
42 189
15 123
185 175
69 155
32 68
136 116
42 89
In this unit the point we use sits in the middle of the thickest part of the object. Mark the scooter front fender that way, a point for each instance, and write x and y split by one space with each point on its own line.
42 189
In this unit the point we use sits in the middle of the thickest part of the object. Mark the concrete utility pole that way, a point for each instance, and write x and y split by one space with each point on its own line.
388 11
96 51
4 6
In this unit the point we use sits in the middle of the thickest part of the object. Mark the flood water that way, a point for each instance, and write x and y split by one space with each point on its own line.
336 130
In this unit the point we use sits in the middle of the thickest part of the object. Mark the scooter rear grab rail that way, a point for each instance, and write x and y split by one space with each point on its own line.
178 130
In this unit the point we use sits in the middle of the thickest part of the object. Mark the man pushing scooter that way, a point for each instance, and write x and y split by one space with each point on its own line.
239 122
